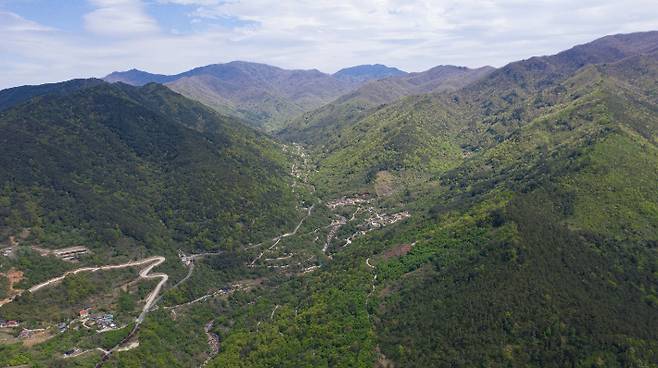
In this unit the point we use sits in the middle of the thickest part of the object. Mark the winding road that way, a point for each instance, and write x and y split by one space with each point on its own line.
145 274
277 239
154 261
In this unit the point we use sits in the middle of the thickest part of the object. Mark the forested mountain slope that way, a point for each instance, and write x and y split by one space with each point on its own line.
114 164
427 135
542 251
328 121
507 222
14 96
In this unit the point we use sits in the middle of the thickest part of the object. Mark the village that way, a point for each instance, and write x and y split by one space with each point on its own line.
357 199
100 322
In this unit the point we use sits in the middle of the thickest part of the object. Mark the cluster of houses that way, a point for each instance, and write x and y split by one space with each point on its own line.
9 324
7 252
103 321
349 201
185 259
378 221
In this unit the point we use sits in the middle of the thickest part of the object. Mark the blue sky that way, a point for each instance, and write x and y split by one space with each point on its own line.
51 40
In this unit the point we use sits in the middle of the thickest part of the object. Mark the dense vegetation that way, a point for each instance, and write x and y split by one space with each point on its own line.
326 124
419 138
129 167
531 241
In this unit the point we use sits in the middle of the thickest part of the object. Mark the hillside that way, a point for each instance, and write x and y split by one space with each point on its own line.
329 120
420 137
533 248
533 254
363 73
115 165
263 95
14 96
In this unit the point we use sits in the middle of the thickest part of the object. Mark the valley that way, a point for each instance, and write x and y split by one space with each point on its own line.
290 254
453 217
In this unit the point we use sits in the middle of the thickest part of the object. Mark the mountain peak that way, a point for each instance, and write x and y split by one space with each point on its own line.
367 72
136 77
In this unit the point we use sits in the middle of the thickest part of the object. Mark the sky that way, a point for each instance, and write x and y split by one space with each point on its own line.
45 41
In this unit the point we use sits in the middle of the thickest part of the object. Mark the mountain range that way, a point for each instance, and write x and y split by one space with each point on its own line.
329 119
454 217
264 95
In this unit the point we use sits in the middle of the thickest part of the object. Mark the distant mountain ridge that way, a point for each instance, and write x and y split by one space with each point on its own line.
362 73
266 96
328 120
460 122
137 77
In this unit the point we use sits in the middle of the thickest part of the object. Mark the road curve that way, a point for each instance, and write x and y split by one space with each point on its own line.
144 261
145 274
157 260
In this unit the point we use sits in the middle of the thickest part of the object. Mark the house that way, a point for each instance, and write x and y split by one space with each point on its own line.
70 253
62 327
3 323
12 324
84 313
104 321
72 352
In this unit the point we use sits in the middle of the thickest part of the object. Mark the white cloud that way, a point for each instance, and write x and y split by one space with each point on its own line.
324 34
119 18
10 22
190 2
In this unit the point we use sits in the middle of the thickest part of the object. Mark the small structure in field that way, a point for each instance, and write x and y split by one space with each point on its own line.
9 324
84 313
70 253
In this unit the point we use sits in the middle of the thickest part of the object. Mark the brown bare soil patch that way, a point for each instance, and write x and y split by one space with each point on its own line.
37 338
13 276
398 251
